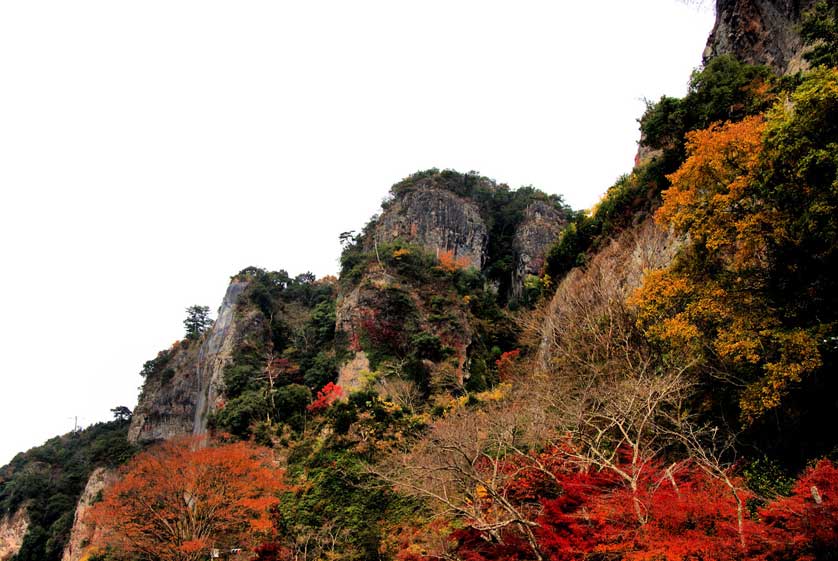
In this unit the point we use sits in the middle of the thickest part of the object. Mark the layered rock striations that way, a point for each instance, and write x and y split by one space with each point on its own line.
436 219
541 225
759 32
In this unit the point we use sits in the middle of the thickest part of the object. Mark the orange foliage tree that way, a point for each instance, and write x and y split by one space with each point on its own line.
449 263
713 298
179 499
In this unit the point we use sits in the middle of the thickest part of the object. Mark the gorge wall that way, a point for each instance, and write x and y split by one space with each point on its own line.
436 219
83 530
759 32
540 227
442 213
178 395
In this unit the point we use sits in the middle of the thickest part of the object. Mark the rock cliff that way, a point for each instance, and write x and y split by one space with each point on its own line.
541 225
12 531
392 295
436 219
481 223
386 306
83 531
759 32
179 395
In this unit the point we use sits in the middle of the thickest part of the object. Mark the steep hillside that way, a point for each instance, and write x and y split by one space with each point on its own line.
494 376
39 489
426 284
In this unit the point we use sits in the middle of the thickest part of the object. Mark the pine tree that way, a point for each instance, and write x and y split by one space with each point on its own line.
197 321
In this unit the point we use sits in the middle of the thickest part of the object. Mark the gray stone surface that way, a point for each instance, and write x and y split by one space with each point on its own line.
538 230
181 405
438 220
759 32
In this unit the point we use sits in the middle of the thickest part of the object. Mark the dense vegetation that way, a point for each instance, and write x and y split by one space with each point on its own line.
280 388
753 294
431 307
48 480
287 355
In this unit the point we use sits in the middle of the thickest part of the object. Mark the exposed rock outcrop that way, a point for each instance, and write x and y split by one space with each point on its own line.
375 303
759 32
83 531
611 276
350 306
217 352
12 531
541 225
179 402
351 377
436 219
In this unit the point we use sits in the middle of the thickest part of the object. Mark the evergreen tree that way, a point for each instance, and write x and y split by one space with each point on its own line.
197 321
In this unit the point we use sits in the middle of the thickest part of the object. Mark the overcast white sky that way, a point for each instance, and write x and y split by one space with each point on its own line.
150 150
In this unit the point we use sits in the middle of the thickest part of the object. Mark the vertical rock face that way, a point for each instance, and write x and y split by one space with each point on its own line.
759 32
12 531
541 225
437 219
178 402
215 353
83 532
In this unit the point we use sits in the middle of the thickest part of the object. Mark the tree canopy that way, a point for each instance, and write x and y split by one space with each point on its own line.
197 321
179 499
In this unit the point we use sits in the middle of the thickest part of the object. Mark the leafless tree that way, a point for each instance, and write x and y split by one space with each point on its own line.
462 466
394 385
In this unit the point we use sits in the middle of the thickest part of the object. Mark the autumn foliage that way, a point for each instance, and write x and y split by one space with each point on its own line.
449 263
326 396
677 512
716 304
711 194
183 497
804 526
507 364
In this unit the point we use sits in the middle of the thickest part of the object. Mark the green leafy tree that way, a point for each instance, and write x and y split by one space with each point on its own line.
819 28
121 413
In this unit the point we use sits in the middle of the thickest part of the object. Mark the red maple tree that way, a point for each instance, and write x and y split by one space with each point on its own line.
677 512
506 364
327 395
804 526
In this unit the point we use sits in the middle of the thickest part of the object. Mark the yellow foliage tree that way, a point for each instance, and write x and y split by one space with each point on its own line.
710 303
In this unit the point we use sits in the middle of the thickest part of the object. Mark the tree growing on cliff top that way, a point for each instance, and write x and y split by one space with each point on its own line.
178 500
197 321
